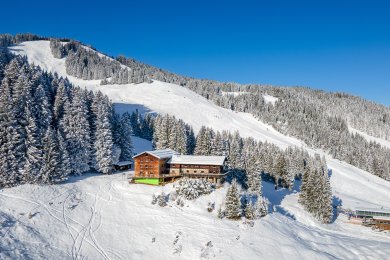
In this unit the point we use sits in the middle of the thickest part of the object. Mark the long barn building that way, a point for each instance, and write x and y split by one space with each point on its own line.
161 166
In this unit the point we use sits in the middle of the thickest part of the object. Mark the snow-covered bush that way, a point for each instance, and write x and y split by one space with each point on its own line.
154 199
193 188
160 199
180 202
210 206
221 213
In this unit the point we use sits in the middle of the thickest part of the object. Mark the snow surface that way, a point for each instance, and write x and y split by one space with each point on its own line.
105 217
267 98
234 93
270 99
115 220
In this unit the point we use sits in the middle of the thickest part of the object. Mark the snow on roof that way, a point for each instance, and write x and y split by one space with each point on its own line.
160 154
196 159
123 163
381 218
373 210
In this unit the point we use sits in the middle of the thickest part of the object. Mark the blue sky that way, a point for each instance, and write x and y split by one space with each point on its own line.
331 45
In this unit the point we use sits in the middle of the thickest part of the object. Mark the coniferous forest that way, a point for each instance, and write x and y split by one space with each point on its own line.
50 129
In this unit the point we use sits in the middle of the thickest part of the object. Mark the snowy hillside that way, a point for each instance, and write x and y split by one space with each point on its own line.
107 205
195 110
103 217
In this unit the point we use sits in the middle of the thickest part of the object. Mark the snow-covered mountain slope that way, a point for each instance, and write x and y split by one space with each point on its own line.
126 209
164 98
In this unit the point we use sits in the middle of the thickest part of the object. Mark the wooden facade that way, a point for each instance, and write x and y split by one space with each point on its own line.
195 169
147 165
381 223
213 173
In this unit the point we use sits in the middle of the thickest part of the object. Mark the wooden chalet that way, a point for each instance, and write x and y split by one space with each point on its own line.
161 166
150 167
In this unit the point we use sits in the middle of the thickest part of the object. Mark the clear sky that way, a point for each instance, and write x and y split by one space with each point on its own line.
332 45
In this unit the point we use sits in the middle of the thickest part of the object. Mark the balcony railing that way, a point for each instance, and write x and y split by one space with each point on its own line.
141 176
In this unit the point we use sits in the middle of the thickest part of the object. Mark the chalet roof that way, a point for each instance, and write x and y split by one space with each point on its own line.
160 154
197 159
123 163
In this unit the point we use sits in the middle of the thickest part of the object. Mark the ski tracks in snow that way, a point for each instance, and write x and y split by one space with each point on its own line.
87 232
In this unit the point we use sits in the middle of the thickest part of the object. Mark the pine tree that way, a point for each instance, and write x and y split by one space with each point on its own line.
8 135
235 152
281 169
42 110
124 142
250 212
181 145
60 98
190 139
254 183
75 127
232 202
51 171
34 160
103 142
64 162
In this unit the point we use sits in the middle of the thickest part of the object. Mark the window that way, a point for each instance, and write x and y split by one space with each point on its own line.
201 171
188 171
195 171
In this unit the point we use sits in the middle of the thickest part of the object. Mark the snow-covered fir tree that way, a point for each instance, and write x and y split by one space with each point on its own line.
124 141
51 169
104 143
232 202
45 124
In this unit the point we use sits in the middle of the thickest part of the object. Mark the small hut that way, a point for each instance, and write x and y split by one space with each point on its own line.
123 165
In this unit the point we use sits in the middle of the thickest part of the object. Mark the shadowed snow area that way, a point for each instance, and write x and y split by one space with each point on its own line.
103 217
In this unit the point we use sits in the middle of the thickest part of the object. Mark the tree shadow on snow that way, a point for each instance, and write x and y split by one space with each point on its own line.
330 172
121 108
337 203
276 196
74 179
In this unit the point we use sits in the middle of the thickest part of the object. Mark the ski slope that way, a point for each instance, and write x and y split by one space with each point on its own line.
301 236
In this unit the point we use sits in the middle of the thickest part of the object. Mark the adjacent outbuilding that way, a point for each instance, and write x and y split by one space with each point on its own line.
161 166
